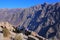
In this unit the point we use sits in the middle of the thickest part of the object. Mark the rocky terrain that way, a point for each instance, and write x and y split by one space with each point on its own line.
44 19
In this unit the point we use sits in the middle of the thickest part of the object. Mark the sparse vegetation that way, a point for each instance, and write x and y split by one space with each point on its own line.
53 38
18 37
6 32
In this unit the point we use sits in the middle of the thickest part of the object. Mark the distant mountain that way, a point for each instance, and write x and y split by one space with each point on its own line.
42 18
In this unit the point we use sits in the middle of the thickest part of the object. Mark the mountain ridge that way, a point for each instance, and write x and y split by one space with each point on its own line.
42 15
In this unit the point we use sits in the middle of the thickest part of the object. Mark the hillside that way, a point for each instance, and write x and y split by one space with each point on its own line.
38 18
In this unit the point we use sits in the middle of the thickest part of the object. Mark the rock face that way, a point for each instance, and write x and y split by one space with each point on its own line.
41 18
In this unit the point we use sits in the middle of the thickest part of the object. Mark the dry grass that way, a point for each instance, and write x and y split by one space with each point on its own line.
19 37
6 32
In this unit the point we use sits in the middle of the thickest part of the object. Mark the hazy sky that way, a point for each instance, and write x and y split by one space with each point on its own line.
23 3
